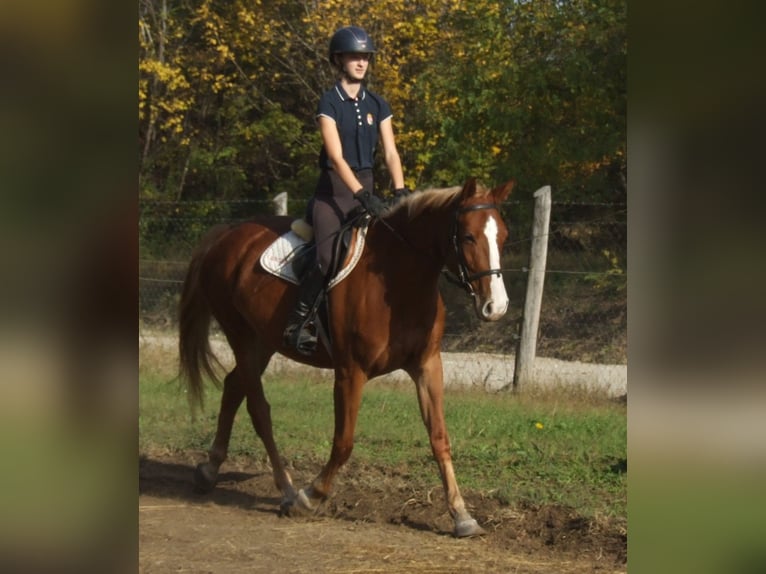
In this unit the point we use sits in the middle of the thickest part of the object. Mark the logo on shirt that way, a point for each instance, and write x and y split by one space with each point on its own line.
370 119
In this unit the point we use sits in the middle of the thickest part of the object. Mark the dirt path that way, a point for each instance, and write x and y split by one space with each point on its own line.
375 522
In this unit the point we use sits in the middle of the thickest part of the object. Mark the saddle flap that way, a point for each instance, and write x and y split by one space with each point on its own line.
283 258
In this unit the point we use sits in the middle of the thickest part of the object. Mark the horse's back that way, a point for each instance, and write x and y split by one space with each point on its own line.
248 239
231 261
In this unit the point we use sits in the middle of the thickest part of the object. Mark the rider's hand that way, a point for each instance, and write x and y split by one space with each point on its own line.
371 202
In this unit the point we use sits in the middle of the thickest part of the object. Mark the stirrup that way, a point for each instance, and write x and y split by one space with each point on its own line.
302 337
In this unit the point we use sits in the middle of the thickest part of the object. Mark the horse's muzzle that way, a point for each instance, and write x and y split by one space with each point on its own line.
489 310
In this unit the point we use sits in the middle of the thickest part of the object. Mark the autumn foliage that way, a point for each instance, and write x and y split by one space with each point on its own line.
497 89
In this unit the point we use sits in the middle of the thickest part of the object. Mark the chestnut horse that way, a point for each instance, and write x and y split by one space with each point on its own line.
387 314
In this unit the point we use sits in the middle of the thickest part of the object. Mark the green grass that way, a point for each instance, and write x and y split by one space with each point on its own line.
558 447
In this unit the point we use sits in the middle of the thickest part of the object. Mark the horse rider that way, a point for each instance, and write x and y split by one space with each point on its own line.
352 120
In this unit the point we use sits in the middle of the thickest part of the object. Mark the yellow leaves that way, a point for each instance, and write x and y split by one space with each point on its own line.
144 35
224 52
614 261
169 75
246 18
221 82
449 101
171 95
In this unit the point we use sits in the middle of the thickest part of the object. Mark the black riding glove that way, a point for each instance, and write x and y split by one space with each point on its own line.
402 192
371 203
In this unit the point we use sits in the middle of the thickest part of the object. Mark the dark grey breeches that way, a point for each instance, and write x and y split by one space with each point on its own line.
332 203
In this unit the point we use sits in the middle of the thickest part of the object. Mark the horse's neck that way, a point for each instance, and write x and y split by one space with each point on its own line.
419 244
429 232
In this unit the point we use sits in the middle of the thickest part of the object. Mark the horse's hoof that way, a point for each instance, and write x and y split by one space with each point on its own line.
298 506
303 502
286 508
468 528
204 479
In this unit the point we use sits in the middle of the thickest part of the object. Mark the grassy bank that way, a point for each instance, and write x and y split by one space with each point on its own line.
555 447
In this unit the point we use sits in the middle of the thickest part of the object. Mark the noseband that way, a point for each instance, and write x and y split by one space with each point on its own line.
464 277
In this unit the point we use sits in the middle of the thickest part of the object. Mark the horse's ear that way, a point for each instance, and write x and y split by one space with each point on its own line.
469 188
503 191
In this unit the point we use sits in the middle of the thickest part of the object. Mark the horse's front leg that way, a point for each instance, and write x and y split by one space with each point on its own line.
347 398
429 381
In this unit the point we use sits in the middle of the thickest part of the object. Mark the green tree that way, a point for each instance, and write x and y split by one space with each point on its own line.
534 90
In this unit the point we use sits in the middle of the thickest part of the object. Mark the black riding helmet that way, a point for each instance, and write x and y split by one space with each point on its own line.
351 39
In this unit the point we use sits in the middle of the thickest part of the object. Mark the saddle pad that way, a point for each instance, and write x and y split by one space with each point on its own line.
278 257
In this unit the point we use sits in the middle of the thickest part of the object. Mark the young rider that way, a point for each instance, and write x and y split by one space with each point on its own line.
351 120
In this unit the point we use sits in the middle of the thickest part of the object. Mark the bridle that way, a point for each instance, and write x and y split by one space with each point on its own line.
464 276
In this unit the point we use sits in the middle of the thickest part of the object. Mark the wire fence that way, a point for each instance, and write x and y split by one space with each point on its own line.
584 311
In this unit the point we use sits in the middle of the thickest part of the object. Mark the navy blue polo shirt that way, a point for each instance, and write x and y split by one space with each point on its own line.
357 120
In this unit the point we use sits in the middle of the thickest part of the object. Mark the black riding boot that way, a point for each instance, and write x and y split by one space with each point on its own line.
299 333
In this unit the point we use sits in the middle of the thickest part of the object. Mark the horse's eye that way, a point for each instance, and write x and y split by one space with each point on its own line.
468 238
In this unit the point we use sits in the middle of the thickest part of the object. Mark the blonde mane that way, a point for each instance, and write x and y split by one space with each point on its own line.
432 198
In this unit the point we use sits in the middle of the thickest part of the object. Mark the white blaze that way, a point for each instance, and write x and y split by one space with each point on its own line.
497 288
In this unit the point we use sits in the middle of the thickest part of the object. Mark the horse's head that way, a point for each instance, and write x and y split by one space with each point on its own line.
478 234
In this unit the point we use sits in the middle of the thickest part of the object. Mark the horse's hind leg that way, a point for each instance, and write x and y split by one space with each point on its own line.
233 393
245 381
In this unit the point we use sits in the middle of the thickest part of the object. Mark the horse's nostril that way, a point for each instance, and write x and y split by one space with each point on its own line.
490 310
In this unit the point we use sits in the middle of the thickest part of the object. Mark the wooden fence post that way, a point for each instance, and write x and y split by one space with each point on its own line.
280 203
527 344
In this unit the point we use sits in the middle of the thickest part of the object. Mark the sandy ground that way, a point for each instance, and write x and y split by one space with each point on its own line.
374 522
